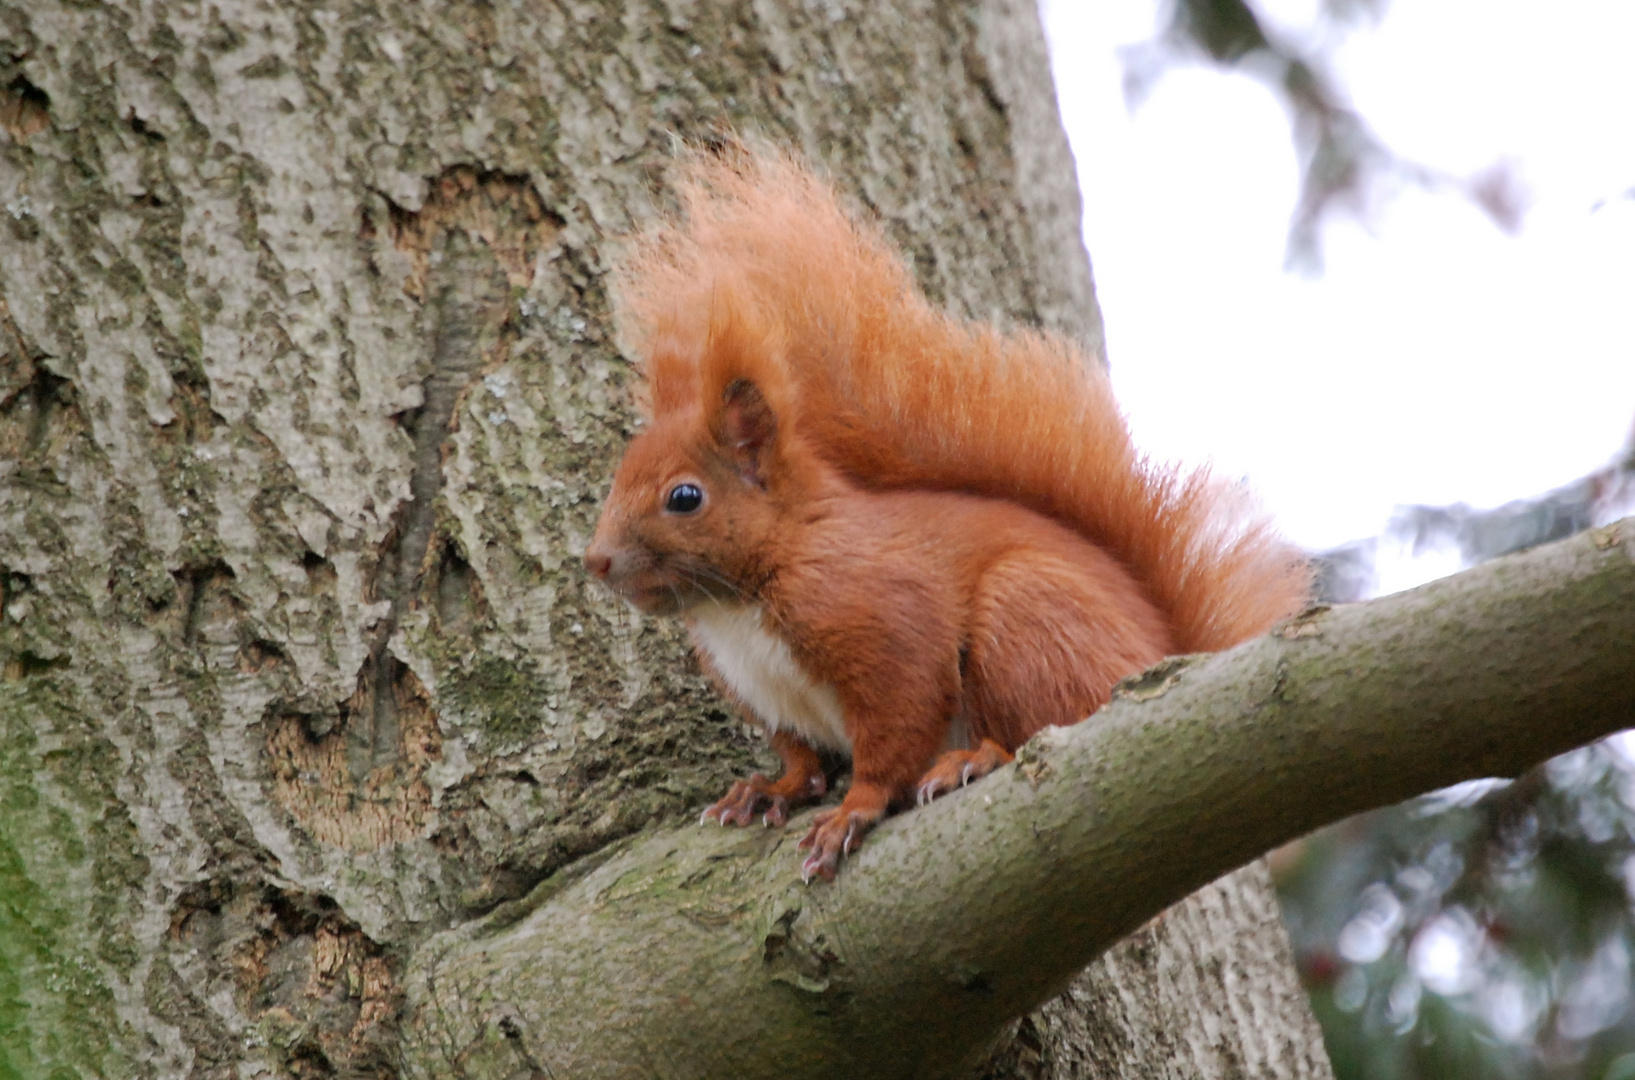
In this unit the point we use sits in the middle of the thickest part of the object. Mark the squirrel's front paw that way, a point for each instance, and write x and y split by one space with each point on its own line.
739 805
835 833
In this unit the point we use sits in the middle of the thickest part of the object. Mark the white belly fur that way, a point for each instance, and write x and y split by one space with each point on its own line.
757 664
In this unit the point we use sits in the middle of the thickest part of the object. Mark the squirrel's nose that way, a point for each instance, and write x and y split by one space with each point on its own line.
598 563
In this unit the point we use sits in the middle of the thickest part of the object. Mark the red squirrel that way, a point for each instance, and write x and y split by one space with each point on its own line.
892 533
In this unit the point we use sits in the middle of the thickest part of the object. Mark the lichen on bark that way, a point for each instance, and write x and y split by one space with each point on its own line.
307 395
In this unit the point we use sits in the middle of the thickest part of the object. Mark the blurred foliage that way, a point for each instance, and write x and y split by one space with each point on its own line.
1477 932
1602 496
1345 167
1348 572
1487 930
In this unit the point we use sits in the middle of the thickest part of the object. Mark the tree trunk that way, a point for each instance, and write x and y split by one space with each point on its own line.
307 395
1208 989
699 947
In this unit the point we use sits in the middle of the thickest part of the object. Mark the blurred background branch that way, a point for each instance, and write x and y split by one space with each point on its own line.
1486 930
1345 166
1445 392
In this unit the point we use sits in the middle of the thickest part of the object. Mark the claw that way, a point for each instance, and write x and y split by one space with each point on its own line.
957 768
746 798
818 865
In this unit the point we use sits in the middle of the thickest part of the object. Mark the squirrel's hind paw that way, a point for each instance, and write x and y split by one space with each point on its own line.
956 768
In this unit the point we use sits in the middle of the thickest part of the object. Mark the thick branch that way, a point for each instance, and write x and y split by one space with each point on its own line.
698 953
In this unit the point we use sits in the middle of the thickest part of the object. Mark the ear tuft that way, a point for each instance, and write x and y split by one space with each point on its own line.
747 429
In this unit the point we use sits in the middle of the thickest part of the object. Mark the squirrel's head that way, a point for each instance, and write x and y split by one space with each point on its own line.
694 505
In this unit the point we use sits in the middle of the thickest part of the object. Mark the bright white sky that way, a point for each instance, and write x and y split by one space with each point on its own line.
1436 359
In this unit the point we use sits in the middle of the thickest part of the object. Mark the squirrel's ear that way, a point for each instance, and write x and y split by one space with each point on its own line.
746 429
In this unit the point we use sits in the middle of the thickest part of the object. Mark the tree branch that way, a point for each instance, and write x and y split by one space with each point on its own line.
696 952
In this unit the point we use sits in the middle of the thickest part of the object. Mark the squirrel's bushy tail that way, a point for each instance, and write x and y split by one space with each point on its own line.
898 394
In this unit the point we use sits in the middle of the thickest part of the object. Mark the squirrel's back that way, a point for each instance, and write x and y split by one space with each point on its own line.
899 395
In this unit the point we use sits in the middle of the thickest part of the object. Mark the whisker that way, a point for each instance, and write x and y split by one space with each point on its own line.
703 575
709 573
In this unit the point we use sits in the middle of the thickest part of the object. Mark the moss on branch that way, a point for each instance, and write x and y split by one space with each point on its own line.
697 952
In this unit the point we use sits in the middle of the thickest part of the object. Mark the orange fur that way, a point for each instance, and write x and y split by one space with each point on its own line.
917 521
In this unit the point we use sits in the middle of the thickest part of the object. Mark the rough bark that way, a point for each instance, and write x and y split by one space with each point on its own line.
1204 991
307 392
703 952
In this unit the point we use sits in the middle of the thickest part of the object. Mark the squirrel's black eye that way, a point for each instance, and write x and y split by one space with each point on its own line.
684 499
